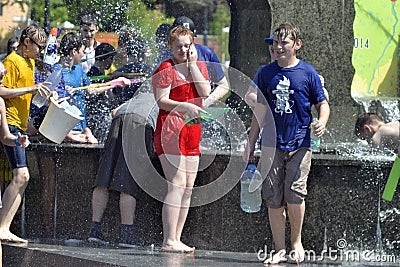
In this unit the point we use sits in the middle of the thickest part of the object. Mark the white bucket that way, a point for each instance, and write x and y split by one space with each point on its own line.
59 120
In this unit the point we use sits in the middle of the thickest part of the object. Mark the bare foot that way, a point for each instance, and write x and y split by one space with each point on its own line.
297 254
277 258
178 247
7 236
186 247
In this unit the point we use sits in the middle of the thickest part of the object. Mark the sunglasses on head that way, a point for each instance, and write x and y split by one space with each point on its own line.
41 47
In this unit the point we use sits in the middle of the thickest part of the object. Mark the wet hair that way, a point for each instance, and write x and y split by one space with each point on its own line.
35 33
288 29
103 51
180 31
365 119
69 42
126 34
136 48
10 44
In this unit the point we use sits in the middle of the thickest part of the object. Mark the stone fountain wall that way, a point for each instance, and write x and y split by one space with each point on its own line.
343 203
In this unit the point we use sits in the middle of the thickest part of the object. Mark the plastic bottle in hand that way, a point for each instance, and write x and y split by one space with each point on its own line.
54 78
250 193
315 140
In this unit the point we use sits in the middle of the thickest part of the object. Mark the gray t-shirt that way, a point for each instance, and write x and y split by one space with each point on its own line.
144 106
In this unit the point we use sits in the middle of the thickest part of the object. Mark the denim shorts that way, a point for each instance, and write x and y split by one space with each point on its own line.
15 154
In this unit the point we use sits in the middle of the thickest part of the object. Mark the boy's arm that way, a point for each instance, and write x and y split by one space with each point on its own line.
14 92
257 121
323 117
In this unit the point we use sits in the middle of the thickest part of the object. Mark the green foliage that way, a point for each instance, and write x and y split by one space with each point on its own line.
58 11
221 19
140 16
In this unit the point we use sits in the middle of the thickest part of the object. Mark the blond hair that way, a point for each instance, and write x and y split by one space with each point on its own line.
180 31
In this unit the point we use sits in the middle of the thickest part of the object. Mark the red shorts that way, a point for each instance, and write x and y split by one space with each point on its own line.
173 136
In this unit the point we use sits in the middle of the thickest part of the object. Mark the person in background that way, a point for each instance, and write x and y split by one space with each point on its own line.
216 73
123 39
114 175
134 63
99 106
71 53
12 45
104 54
88 29
381 135
288 103
18 87
180 84
162 34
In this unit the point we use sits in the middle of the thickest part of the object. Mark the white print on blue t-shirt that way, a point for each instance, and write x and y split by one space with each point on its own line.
283 104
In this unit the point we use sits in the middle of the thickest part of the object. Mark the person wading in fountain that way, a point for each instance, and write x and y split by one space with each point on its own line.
375 131
18 87
180 84
288 89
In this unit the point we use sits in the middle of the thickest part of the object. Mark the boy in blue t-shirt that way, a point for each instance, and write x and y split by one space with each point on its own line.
288 88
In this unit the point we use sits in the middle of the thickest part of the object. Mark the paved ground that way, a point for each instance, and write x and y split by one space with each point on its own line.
76 253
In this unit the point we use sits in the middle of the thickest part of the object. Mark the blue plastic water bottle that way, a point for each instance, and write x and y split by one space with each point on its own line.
250 193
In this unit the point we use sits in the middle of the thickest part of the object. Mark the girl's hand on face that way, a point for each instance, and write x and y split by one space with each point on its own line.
192 53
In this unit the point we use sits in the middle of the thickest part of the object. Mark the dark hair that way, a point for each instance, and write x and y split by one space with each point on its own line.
87 20
365 119
104 50
288 29
69 42
163 30
35 33
10 44
136 48
127 34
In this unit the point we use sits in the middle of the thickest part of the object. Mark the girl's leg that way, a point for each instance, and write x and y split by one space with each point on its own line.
192 165
174 170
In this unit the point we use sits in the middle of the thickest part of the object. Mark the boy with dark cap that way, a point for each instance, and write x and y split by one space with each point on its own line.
99 106
104 54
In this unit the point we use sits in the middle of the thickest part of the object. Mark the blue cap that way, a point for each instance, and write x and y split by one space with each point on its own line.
269 40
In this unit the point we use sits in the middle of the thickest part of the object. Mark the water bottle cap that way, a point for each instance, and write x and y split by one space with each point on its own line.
251 166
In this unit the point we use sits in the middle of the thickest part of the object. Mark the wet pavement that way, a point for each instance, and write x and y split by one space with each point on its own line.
77 253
